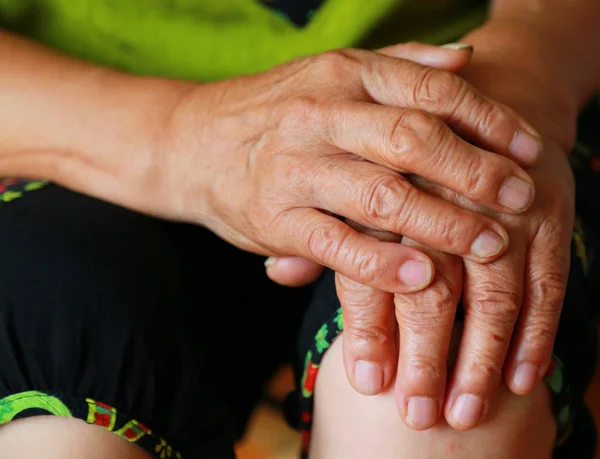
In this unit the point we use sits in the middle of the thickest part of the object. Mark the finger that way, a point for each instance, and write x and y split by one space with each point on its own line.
425 321
326 240
489 124
417 142
546 277
374 196
292 271
370 350
369 336
491 299
452 57
298 271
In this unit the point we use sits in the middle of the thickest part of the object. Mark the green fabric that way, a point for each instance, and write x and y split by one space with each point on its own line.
205 40
14 404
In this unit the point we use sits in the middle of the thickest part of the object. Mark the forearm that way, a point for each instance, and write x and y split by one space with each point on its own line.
89 128
543 52
562 34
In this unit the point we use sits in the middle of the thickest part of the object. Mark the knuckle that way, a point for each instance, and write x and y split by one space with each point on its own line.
329 244
363 336
495 300
440 297
414 131
540 335
370 267
429 307
488 369
356 298
434 86
383 196
444 154
477 178
548 291
441 142
463 96
323 242
336 64
444 227
301 110
400 138
490 117
425 367
447 230
416 120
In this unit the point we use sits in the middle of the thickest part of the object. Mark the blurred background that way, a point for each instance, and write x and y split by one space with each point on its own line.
269 436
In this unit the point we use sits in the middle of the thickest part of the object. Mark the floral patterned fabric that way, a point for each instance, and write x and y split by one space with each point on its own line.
34 403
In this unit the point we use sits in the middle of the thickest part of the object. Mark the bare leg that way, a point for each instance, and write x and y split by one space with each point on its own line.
53 437
351 426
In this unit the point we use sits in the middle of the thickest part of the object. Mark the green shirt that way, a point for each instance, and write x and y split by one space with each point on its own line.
205 40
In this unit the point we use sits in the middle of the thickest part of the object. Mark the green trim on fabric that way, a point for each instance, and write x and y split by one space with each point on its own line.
14 404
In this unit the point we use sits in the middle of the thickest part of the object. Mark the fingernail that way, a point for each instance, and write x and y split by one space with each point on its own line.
368 377
487 244
457 46
526 146
524 378
467 410
414 273
515 194
421 412
270 261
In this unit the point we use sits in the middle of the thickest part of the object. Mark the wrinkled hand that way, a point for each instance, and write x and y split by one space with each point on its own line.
284 153
515 305
526 287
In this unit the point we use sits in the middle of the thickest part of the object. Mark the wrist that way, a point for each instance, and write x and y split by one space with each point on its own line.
566 31
183 149
119 142
532 85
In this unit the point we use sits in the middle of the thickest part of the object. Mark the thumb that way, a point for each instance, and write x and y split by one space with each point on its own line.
292 271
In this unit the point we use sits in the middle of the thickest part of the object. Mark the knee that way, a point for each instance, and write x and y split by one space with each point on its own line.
57 438
348 425
82 282
70 252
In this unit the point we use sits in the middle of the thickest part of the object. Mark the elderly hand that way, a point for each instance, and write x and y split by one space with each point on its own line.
271 160
525 287
513 308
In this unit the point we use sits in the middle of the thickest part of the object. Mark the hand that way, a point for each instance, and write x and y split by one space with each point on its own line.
298 271
513 307
527 286
528 283
282 151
